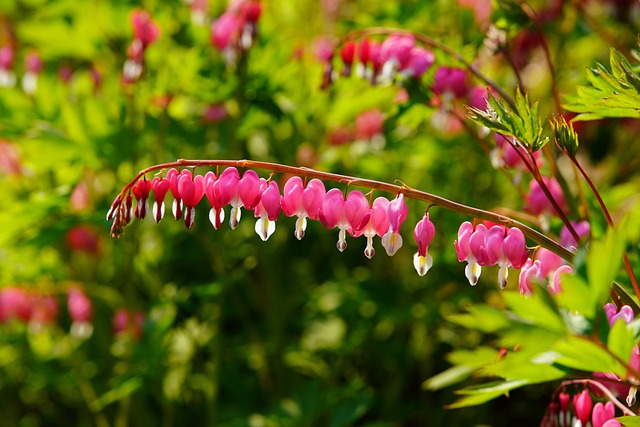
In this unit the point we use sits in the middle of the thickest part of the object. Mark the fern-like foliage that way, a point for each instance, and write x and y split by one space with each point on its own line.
614 93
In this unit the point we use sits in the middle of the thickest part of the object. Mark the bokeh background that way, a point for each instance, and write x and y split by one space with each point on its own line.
166 326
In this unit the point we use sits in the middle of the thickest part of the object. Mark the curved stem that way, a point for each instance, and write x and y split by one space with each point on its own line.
409 192
609 219
604 390
437 45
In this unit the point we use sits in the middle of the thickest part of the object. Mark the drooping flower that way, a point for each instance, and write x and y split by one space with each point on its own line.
303 202
160 188
238 192
347 53
141 191
216 213
602 413
191 191
79 306
15 304
32 66
450 82
537 203
176 208
397 213
504 155
378 224
556 282
470 248
423 234
582 228
7 77
505 248
420 61
144 29
344 213
395 53
582 405
613 314
267 210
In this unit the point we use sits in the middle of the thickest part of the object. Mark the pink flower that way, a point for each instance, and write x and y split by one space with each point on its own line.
45 309
81 238
238 192
537 203
79 306
344 213
173 176
127 322
378 224
141 191
566 239
397 213
582 405
395 53
505 248
529 275
419 62
33 62
144 29
549 262
214 113
612 423
602 413
15 304
556 286
225 30
505 155
191 190
347 53
160 187
470 247
613 314
216 213
450 82
9 158
369 124
423 234
303 202
267 210
6 57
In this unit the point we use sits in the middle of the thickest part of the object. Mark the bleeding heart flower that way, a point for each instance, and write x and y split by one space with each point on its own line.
344 213
267 211
397 213
423 234
191 190
160 188
302 202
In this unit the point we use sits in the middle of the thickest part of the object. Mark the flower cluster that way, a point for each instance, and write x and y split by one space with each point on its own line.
395 58
579 410
39 309
145 32
352 213
549 267
481 246
236 30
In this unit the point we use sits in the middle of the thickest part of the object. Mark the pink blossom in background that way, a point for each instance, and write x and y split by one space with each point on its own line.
451 82
214 113
536 201
82 238
80 198
144 29
45 309
15 304
126 322
505 155
322 48
79 306
369 124
9 159
582 228
481 11
33 62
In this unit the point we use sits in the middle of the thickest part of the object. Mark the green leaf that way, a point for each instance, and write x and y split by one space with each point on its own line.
621 340
536 310
629 421
453 375
604 259
612 93
481 317
585 355
486 392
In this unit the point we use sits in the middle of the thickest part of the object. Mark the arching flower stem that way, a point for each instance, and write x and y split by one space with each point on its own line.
604 390
409 192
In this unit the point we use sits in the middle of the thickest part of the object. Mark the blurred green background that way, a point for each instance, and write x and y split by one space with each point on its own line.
232 331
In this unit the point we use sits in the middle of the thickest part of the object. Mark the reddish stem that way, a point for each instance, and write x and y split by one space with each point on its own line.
409 192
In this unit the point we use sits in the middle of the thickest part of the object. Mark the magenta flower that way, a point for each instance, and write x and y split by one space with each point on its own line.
369 124
214 113
613 314
582 405
549 262
612 423
160 188
536 201
378 224
303 202
351 212
144 29
470 248
216 214
176 208
127 322
225 30
238 192
15 304
505 248
556 282
267 210
7 77
419 62
395 53
45 309
79 306
141 191
33 62
423 234
504 155
566 239
602 413
450 82
347 53
191 190
397 213
529 276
